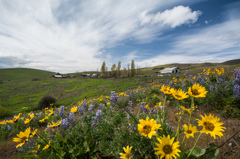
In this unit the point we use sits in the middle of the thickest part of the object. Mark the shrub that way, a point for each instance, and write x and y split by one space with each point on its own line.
35 79
4 112
46 101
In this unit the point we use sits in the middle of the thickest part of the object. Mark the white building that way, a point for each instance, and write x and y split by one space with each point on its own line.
170 70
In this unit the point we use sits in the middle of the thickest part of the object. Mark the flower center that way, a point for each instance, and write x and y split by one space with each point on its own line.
195 92
178 96
147 129
167 149
127 155
24 138
209 126
189 131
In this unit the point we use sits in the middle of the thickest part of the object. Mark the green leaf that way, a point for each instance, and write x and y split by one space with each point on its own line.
213 154
30 154
198 151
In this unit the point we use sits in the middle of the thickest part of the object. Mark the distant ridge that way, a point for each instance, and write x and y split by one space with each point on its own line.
232 62
7 74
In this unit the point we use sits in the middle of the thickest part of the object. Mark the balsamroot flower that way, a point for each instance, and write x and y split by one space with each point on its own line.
211 125
147 127
167 147
74 109
127 154
22 137
179 94
185 109
54 124
189 131
197 91
166 89
46 147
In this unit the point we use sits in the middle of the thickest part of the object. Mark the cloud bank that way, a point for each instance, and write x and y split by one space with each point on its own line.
69 36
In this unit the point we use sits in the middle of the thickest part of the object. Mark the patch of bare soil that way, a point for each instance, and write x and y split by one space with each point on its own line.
230 150
7 149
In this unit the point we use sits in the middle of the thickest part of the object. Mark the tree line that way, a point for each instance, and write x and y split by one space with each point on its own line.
117 71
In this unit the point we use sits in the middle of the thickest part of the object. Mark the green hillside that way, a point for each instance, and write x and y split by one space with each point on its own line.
232 62
22 73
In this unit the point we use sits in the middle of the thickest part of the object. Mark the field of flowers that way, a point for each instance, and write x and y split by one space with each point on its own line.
132 124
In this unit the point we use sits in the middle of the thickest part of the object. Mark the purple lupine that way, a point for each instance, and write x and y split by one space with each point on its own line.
211 87
94 121
183 84
101 106
61 110
71 118
65 123
43 110
177 77
237 74
186 72
221 80
9 128
56 110
80 110
131 92
190 76
91 107
152 111
202 82
131 103
99 114
171 84
236 90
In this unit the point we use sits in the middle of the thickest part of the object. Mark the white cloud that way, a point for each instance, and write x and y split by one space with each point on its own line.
65 36
216 43
171 17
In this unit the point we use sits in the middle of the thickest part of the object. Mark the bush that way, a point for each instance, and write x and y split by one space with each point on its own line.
35 79
4 112
46 101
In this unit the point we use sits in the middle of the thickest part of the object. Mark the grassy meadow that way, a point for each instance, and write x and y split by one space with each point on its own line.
108 118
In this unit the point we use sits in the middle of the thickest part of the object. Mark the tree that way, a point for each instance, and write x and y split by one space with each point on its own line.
113 70
119 69
124 72
128 70
106 71
103 68
133 68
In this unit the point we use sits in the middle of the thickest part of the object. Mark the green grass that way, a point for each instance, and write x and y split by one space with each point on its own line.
22 73
20 91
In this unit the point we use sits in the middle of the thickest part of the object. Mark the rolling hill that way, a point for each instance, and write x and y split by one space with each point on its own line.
22 73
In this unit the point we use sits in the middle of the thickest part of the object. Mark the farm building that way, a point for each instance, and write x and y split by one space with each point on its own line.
170 70
58 75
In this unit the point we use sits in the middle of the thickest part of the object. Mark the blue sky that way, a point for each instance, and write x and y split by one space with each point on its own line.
71 35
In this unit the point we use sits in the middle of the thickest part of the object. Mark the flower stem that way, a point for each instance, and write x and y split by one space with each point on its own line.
164 103
194 146
49 145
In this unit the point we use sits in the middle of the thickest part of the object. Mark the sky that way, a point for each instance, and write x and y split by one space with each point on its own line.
70 36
